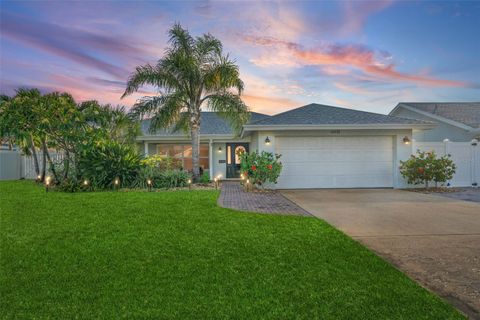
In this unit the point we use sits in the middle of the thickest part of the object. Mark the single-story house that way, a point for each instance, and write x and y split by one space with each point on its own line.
321 146
456 121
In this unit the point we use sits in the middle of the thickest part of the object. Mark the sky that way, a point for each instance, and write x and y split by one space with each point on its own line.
365 55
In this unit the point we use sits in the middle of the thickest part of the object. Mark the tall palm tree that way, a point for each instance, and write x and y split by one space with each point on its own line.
194 73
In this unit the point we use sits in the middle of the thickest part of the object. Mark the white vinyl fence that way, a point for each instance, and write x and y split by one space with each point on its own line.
14 165
465 155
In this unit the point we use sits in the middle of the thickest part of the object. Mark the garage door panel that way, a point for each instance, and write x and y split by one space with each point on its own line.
312 156
336 168
328 181
336 162
314 143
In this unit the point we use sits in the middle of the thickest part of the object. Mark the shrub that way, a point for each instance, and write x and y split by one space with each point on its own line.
173 179
425 167
162 162
205 178
104 162
260 168
161 178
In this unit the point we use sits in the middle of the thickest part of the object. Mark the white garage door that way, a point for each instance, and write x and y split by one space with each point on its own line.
335 162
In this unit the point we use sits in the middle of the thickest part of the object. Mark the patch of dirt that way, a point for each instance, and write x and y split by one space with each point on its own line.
435 190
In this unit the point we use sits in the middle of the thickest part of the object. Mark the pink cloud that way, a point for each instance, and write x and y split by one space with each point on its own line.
356 14
340 56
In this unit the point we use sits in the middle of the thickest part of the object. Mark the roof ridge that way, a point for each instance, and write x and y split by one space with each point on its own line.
444 102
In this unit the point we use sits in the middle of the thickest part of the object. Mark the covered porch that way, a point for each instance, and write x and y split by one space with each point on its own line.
218 156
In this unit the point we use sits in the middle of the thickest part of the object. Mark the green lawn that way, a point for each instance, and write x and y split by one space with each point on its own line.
177 255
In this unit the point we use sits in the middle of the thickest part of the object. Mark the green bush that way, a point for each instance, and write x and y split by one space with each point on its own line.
205 177
260 168
173 179
425 167
165 179
161 162
104 162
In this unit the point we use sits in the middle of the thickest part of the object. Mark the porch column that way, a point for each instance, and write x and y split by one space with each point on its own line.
146 148
210 158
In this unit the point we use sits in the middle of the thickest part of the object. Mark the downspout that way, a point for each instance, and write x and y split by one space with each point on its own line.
210 158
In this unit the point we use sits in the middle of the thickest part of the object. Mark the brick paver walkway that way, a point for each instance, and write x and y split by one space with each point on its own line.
233 196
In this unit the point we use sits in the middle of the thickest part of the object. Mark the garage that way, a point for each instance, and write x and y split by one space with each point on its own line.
335 162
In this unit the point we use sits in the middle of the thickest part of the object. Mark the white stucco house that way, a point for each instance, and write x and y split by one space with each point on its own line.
456 121
457 134
321 146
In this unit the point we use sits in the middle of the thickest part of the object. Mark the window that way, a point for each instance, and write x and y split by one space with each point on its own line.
184 153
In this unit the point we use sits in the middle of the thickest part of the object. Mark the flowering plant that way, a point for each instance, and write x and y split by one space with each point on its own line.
260 168
425 167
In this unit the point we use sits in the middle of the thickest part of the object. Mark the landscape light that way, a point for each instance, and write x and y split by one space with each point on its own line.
39 177
85 182
47 183
116 181
149 183
189 184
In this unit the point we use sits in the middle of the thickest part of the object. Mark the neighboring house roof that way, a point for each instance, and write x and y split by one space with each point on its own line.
466 113
211 124
322 115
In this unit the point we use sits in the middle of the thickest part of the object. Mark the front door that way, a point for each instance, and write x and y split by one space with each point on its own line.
233 160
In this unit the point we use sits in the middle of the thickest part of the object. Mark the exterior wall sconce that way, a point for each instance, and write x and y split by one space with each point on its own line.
406 140
267 140
474 142
219 149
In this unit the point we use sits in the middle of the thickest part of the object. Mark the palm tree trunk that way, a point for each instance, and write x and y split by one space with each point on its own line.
66 163
50 163
44 160
34 155
195 133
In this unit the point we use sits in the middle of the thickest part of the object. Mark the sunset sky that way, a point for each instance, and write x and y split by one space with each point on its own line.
363 55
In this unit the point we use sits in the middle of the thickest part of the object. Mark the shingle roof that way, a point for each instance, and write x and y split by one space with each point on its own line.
211 123
467 113
318 114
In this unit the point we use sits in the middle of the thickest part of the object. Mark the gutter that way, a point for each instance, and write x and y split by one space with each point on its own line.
338 127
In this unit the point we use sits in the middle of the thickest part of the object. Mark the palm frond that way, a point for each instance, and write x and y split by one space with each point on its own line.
230 107
150 75
207 46
180 38
223 75
164 110
183 123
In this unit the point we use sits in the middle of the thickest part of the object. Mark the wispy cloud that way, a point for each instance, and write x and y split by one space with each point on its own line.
75 45
359 57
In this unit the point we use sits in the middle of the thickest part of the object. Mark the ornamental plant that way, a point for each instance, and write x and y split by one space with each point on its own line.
260 168
425 167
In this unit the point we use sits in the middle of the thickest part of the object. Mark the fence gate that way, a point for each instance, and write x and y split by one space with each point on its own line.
465 155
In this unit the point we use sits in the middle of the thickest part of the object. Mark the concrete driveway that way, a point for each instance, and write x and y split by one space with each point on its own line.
434 239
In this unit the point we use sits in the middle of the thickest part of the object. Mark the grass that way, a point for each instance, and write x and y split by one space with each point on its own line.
141 255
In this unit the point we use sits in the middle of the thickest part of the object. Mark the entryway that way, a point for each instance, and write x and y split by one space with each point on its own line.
233 158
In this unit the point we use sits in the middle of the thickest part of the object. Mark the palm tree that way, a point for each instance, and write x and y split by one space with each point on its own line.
120 125
192 74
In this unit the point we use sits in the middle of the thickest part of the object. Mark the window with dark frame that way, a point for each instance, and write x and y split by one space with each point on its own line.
183 152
